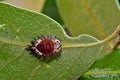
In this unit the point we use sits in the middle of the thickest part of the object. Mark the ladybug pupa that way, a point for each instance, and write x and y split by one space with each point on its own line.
45 46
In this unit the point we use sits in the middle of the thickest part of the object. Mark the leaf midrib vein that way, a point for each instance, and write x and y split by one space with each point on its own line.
89 73
13 43
95 20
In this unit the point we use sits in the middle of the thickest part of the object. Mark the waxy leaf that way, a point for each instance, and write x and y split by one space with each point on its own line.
107 68
18 27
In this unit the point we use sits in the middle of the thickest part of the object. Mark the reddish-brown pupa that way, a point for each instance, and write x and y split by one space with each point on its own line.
45 46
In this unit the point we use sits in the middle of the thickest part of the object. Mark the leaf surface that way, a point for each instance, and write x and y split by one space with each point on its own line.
98 18
107 68
18 27
50 9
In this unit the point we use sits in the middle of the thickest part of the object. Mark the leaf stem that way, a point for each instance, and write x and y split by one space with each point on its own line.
112 36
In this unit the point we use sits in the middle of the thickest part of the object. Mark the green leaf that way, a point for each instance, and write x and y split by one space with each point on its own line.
50 9
118 3
18 27
98 18
107 68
